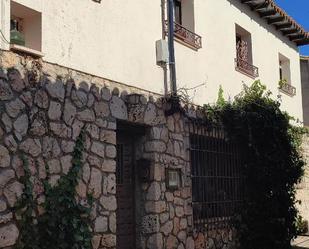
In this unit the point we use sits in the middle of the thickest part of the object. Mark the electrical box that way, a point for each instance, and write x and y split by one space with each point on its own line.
162 52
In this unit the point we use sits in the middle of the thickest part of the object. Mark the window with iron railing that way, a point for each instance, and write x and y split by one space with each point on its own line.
217 183
243 60
285 76
184 24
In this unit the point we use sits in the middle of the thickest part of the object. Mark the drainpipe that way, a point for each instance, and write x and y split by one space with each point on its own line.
164 65
171 48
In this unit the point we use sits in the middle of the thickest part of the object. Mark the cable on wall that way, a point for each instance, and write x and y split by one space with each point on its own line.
3 37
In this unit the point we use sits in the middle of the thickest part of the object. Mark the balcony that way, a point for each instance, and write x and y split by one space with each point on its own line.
185 36
246 68
288 89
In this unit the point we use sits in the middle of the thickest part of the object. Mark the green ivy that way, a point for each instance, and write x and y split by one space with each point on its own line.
272 166
64 223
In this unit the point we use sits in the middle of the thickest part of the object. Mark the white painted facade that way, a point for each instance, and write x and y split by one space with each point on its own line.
115 39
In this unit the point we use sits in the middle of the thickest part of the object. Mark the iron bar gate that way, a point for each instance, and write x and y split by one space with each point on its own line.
217 184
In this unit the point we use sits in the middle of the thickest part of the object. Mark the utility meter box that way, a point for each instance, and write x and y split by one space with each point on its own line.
162 52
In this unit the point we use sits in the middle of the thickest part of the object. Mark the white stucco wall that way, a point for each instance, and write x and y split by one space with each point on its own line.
116 40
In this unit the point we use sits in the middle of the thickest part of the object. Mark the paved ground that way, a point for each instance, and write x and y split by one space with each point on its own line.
301 242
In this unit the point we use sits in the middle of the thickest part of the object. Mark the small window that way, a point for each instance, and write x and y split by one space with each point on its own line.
26 30
284 69
285 84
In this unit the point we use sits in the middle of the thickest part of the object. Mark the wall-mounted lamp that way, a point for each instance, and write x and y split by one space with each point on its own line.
173 179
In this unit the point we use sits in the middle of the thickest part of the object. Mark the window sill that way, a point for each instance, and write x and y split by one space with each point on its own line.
185 43
22 49
287 93
238 69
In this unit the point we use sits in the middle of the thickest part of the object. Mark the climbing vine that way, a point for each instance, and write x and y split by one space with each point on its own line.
272 166
64 223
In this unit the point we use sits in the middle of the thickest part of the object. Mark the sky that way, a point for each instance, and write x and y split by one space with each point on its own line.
299 10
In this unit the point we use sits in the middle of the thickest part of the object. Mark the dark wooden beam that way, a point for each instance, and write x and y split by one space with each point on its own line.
283 25
275 20
268 13
289 31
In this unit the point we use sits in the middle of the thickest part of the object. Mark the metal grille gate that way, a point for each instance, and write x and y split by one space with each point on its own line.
217 184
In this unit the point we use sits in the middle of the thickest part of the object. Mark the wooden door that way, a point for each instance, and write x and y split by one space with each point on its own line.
125 192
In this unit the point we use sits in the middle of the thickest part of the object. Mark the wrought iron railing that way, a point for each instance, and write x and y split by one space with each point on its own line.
245 67
288 89
186 36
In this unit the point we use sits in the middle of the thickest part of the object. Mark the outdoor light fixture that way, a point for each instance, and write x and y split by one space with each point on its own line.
16 36
173 179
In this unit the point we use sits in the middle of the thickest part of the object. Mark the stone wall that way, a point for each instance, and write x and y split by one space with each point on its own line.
42 111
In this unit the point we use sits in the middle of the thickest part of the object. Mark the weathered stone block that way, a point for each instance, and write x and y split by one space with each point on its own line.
79 98
101 109
118 108
12 192
56 90
100 224
54 111
108 136
110 151
41 99
96 241
155 241
21 125
6 122
95 185
5 176
61 130
98 149
14 107
87 115
112 222
155 146
167 228
108 240
171 242
69 112
51 148
5 91
150 224
39 124
5 158
54 166
8 235
109 202
154 192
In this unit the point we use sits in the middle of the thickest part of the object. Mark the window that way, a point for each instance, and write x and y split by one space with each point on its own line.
26 30
184 24
285 76
244 59
177 11
216 178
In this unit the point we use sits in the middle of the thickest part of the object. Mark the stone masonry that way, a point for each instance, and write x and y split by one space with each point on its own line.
43 108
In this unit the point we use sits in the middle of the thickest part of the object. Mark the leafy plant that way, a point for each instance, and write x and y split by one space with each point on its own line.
272 166
64 223
282 83
220 101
